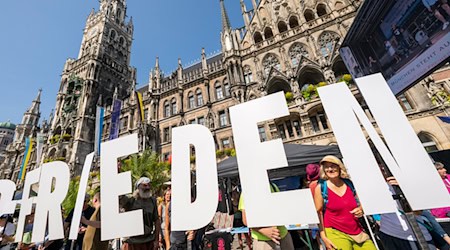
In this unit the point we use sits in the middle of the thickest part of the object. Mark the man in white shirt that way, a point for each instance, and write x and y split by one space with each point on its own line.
7 231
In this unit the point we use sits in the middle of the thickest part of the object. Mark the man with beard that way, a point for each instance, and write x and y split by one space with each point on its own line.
142 199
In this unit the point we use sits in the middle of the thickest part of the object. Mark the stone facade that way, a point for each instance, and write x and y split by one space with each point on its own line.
285 45
6 137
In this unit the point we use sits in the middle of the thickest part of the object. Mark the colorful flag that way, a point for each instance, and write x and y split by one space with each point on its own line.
141 105
26 157
445 119
40 140
115 119
98 129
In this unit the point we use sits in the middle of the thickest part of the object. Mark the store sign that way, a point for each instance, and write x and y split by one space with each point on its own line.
406 159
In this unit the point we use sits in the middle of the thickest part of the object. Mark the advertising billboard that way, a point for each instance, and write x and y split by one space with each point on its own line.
404 40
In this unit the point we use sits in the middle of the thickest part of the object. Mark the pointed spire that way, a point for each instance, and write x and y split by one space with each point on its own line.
225 20
204 64
157 63
180 71
245 14
34 109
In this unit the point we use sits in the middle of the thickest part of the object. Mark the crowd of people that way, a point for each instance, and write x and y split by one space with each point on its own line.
343 224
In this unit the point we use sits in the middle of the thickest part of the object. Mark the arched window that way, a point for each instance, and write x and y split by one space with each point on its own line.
199 97
166 109
282 27
293 22
338 5
191 100
269 62
257 37
174 106
309 15
226 87
219 92
248 76
122 41
268 33
321 9
112 36
427 142
296 51
327 40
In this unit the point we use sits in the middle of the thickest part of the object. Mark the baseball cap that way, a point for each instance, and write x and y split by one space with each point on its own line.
142 180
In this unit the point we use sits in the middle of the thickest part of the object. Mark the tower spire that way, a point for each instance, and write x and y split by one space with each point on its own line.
225 20
34 109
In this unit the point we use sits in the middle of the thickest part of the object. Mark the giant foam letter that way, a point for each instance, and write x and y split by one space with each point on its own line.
74 226
254 157
26 203
54 176
187 215
7 205
406 157
112 184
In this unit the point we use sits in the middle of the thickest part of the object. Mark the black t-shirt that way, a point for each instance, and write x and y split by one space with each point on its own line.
87 213
149 213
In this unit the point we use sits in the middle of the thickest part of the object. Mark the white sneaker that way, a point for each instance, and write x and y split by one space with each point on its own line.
445 25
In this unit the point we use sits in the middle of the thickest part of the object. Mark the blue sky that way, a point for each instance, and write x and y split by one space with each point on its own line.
38 37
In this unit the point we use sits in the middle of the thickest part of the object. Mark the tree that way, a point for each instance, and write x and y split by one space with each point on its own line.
147 164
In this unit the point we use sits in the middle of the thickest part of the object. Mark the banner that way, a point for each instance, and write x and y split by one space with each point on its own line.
141 105
40 140
98 129
26 157
403 40
115 119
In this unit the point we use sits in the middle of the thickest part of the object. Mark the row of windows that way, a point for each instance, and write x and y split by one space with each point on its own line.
6 132
196 100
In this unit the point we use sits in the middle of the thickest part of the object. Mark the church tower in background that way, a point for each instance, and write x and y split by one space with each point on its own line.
101 72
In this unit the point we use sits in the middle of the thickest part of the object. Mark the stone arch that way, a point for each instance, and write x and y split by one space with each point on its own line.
257 37
112 35
326 41
276 84
296 51
429 142
293 22
282 27
57 131
309 75
338 5
309 15
321 9
270 61
268 33
339 68
52 153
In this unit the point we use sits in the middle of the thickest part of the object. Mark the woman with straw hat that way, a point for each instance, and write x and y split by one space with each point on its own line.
338 208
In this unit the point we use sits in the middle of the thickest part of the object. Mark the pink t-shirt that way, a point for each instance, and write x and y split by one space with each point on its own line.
337 213
442 212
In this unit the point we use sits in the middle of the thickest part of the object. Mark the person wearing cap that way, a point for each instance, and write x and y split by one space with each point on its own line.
142 199
339 213
87 212
7 231
312 175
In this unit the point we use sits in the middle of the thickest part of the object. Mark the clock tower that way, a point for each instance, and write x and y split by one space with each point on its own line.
101 69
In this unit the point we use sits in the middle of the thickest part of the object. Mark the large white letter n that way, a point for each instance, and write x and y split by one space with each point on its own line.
406 157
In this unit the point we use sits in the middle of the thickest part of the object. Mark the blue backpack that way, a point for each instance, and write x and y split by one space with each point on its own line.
324 191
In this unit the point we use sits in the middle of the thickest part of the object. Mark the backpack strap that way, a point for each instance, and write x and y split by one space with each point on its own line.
324 192
349 183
